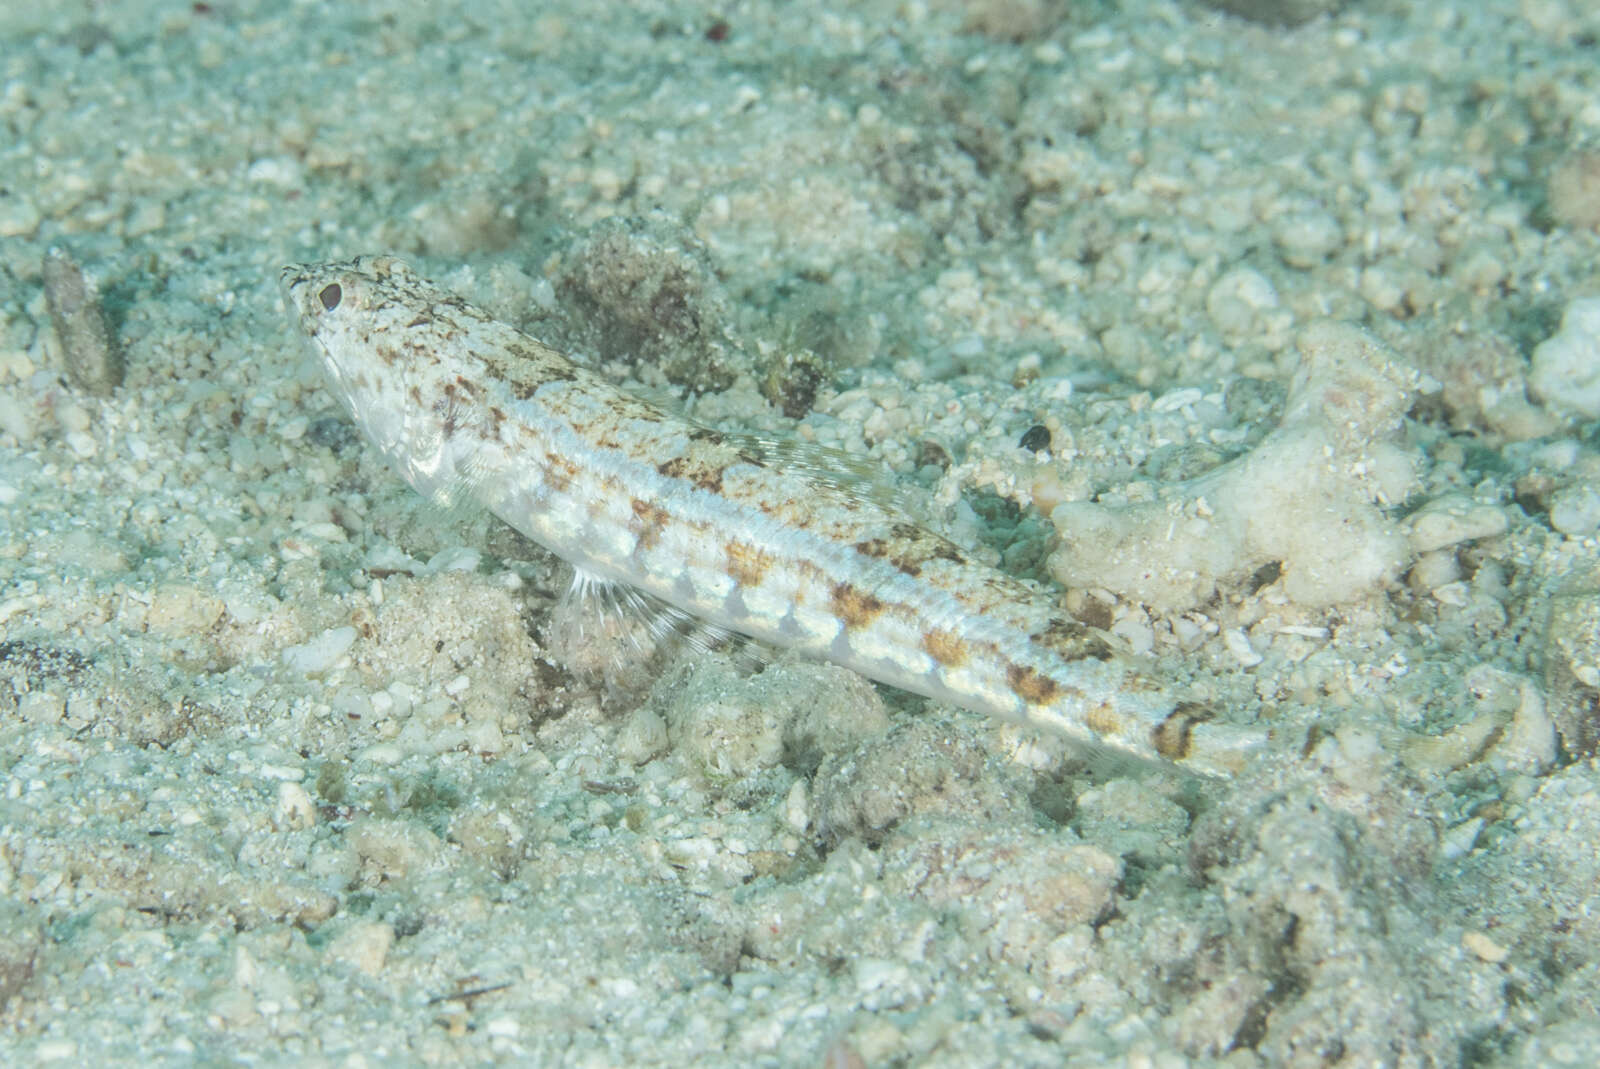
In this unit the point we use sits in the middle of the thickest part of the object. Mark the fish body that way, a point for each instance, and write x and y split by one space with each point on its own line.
714 524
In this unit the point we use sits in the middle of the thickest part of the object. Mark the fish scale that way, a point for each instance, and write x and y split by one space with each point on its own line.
729 529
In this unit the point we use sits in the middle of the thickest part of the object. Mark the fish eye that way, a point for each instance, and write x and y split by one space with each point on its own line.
330 296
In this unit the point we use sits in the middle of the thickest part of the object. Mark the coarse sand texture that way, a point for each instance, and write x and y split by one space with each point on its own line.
1158 441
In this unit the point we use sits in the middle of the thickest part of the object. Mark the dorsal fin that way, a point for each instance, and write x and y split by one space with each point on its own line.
855 477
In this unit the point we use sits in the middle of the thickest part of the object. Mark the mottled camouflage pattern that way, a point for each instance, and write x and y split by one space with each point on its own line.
715 524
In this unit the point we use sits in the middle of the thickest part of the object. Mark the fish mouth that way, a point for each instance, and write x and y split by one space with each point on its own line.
291 280
295 286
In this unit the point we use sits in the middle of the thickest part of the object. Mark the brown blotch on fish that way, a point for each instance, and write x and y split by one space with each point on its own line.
875 547
1031 685
631 408
932 546
747 564
449 407
1103 721
524 387
854 606
416 351
908 548
1134 682
1173 736
946 647
706 434
526 365
1073 641
559 472
651 520
704 474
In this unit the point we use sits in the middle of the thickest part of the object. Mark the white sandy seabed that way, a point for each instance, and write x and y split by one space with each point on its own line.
1274 349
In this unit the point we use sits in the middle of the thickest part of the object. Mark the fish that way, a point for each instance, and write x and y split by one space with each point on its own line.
730 529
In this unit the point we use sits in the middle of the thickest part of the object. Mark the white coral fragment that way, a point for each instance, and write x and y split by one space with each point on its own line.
1309 497
1452 519
1566 367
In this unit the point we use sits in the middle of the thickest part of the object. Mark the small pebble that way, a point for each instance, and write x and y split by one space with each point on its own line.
1237 298
19 216
1452 519
1238 644
320 653
1566 367
1485 948
1575 510
453 559
93 361
1307 239
1459 840
1036 438
1573 192
365 946
295 807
